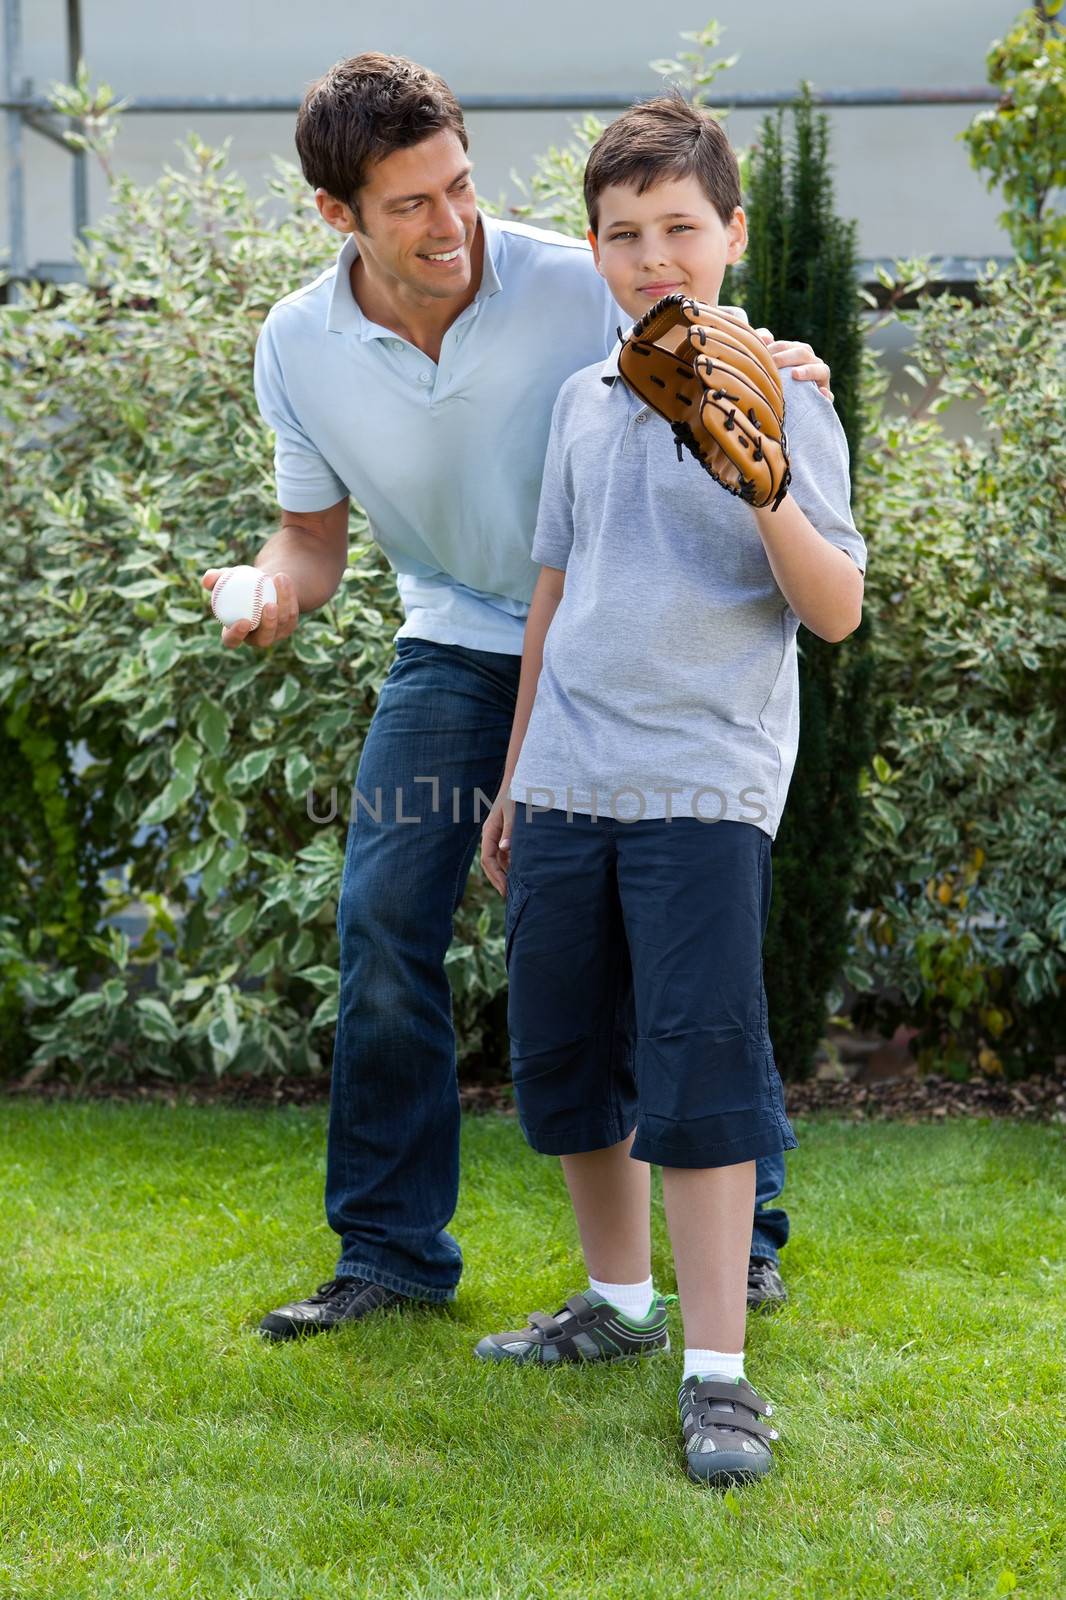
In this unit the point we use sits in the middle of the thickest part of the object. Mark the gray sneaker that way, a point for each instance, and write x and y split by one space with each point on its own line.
587 1328
725 1436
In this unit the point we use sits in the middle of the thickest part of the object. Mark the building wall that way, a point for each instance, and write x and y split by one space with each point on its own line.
901 172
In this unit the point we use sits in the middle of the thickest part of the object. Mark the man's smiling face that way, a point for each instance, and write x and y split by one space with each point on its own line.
417 219
668 240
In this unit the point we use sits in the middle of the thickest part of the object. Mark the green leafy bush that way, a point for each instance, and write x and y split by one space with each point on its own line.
133 458
964 881
1020 143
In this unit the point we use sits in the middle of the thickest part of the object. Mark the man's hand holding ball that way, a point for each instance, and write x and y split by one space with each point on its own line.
252 605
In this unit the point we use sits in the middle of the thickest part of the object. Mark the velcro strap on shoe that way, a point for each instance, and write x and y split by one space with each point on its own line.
732 1393
578 1305
545 1325
551 1333
747 1422
720 1420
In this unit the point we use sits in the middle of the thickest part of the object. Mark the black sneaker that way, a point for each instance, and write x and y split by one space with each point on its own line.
765 1287
725 1436
339 1300
588 1328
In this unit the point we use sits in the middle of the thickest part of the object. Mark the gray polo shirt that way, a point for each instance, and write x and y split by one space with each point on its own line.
669 684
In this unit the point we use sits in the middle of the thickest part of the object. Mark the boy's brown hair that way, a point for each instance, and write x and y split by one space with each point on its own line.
363 109
661 139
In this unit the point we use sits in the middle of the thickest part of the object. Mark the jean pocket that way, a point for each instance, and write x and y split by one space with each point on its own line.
517 895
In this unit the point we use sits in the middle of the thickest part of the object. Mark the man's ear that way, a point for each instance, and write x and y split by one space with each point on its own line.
334 211
591 237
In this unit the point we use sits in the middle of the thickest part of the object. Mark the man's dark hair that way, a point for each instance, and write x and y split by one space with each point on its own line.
658 140
362 110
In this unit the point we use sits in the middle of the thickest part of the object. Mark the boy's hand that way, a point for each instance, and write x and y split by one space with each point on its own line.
276 622
496 843
800 357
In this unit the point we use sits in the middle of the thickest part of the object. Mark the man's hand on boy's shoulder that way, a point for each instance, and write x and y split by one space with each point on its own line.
806 366
800 357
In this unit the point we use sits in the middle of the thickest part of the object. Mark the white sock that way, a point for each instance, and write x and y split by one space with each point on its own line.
713 1363
633 1298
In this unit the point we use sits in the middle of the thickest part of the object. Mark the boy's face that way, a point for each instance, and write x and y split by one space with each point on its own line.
668 240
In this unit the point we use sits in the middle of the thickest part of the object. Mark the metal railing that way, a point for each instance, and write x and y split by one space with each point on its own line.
23 110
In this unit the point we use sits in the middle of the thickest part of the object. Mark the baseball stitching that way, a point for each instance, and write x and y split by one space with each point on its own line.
257 596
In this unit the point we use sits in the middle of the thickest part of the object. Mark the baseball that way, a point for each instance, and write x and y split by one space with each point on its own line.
240 593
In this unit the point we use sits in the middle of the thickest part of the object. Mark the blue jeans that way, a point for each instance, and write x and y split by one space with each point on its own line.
392 1167
770 1229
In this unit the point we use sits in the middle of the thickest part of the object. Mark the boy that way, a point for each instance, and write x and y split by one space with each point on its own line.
659 693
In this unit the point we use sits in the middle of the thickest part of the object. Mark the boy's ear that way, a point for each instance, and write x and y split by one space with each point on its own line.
738 235
591 237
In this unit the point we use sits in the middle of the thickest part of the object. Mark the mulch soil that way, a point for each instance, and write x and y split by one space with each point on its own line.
907 1098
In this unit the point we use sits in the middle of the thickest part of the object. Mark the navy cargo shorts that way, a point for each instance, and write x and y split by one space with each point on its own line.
636 998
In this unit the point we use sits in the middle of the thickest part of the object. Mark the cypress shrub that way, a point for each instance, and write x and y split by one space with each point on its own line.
799 277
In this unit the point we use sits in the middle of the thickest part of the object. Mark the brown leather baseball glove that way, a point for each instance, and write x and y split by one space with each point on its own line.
715 384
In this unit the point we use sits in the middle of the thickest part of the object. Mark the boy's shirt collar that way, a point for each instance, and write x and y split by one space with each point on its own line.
609 371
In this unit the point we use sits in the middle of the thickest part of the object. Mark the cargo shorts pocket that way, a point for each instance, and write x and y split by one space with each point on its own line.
517 895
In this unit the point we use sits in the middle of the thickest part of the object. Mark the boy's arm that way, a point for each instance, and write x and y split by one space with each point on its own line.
542 608
821 583
816 553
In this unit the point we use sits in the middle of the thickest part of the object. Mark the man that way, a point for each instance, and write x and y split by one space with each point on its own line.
419 375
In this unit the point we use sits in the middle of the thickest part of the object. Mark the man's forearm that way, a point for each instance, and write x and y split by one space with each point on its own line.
542 609
316 571
821 583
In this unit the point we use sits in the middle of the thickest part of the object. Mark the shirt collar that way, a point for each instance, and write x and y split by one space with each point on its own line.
345 315
609 370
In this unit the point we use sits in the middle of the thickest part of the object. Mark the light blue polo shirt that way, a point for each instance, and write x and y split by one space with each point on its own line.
444 458
669 685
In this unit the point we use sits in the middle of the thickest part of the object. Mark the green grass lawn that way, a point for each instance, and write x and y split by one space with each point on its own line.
154 1445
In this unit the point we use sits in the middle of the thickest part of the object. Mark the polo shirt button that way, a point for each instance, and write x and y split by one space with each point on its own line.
642 416
423 377
397 344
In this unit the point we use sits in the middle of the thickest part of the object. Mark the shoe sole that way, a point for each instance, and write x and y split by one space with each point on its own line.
281 1331
730 1472
280 1328
485 1350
